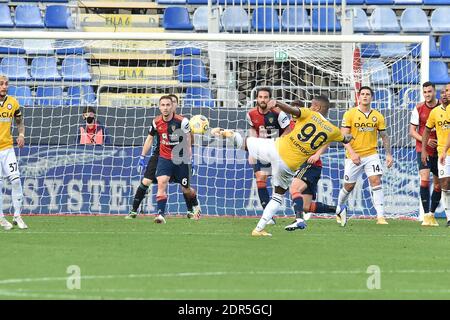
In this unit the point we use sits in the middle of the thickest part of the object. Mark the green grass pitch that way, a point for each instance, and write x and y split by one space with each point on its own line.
216 258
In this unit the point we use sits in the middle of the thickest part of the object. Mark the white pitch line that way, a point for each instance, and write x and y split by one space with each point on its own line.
214 274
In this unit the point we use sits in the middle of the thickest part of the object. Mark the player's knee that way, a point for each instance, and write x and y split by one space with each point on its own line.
349 187
261 184
146 182
424 183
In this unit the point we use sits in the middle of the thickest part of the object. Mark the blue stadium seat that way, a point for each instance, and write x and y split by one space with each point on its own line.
414 20
434 52
369 50
177 18
58 16
405 72
15 68
407 2
325 19
351 2
11 50
360 21
232 2
235 19
439 72
187 51
5 16
200 19
382 99
49 96
295 19
75 69
392 49
384 19
69 47
71 51
383 2
445 46
205 2
408 97
22 94
307 3
440 21
265 19
80 96
435 2
262 2
199 97
192 70
44 68
379 72
28 16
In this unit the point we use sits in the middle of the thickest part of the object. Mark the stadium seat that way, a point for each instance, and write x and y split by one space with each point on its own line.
392 49
5 16
414 20
58 16
405 72
379 73
265 19
369 50
75 69
268 3
205 2
177 18
192 70
403 2
11 50
439 72
80 96
324 19
38 46
235 19
199 97
49 96
435 2
28 16
351 2
408 98
445 46
360 21
382 99
440 21
178 2
434 52
200 19
71 51
379 2
22 94
384 20
44 68
15 68
232 2
69 47
187 51
295 19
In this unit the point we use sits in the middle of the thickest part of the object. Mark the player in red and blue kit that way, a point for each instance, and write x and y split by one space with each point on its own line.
265 123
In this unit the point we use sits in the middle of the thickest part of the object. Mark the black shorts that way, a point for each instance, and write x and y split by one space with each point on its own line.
432 163
179 173
150 171
310 175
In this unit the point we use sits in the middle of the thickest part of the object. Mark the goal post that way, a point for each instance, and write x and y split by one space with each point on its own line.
123 75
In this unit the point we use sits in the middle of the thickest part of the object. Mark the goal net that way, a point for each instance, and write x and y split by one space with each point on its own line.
55 76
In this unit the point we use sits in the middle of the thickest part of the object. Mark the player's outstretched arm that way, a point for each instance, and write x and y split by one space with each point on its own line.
21 128
284 107
387 148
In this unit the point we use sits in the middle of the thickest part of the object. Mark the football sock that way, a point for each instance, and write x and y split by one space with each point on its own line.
17 195
263 193
1 199
139 196
446 197
237 140
321 208
378 200
435 199
161 204
425 195
343 196
271 208
297 199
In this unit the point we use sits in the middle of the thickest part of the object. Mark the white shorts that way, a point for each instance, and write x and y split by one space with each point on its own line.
371 165
265 151
8 163
444 171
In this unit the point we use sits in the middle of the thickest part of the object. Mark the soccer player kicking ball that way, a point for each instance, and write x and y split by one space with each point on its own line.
173 134
8 162
287 153
364 124
439 119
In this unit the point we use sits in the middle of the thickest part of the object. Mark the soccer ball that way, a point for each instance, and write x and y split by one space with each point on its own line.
199 124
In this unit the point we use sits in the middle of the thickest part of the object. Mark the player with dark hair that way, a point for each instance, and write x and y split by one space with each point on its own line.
264 123
419 117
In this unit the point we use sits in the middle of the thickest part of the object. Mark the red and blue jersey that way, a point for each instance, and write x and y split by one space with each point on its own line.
271 123
419 117
170 134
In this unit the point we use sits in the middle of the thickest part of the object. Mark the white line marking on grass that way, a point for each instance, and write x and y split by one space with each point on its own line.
212 274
